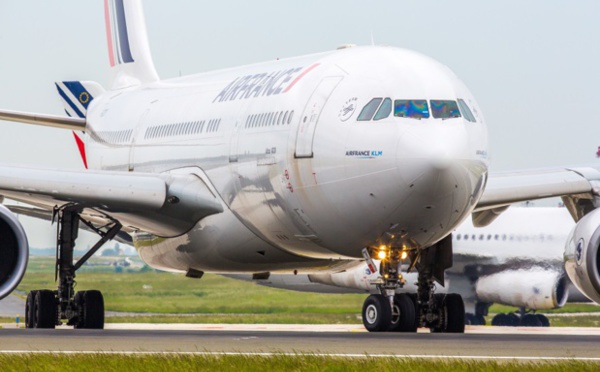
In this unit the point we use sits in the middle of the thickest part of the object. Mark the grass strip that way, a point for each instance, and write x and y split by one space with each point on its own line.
241 363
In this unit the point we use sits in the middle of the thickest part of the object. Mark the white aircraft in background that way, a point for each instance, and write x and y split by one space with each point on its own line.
516 261
307 164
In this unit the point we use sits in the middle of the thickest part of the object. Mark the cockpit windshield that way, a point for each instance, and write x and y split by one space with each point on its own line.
411 108
442 109
368 111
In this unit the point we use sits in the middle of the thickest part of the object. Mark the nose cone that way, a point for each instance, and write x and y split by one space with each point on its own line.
440 181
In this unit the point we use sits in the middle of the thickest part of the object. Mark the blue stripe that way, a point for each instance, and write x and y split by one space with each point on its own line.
78 90
64 96
122 28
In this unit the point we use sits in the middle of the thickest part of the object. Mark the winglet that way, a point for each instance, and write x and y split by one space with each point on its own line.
128 49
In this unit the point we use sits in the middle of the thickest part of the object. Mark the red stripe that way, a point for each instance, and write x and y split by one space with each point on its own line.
81 147
300 77
111 56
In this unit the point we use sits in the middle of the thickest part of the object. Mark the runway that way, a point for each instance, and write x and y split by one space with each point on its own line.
478 342
12 305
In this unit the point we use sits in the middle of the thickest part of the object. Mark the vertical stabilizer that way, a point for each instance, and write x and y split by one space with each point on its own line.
128 49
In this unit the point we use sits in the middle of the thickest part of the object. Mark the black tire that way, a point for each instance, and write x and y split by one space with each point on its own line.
44 307
543 319
377 313
403 315
455 313
512 320
479 320
530 320
476 320
29 307
500 320
93 310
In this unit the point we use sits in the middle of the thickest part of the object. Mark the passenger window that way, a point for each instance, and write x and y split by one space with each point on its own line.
384 110
443 109
369 110
411 108
464 108
290 117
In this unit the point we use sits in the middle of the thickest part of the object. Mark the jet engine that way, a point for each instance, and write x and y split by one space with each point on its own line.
582 259
533 288
14 252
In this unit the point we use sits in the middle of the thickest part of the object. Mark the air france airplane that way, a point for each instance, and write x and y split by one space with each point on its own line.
517 261
307 164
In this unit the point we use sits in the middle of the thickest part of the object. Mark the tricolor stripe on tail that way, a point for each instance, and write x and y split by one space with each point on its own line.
119 50
128 50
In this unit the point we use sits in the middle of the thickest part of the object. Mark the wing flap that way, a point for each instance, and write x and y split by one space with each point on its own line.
93 188
165 205
504 189
509 188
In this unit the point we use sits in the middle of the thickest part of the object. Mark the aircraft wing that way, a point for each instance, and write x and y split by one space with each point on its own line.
166 205
578 188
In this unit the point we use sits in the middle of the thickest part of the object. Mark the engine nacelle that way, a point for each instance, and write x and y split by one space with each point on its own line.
14 252
533 288
582 259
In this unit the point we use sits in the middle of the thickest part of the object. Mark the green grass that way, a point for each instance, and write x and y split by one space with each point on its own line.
215 299
156 292
117 362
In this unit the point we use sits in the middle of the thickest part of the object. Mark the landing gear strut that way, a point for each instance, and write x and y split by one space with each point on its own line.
84 309
388 311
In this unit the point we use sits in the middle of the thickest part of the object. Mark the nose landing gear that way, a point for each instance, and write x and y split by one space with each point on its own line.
389 311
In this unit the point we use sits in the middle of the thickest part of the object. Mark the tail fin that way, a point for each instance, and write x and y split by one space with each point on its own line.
77 95
128 49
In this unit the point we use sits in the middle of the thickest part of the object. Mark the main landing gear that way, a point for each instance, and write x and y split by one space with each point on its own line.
84 309
522 318
391 312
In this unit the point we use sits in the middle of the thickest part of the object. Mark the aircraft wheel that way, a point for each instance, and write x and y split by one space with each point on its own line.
476 320
29 307
452 314
78 301
403 314
530 320
512 320
455 313
479 320
377 313
92 305
44 308
500 320
543 319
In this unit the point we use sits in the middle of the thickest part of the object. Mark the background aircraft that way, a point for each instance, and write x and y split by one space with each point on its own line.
302 164
516 261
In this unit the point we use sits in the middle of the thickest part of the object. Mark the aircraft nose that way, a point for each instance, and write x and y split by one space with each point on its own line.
440 179
434 148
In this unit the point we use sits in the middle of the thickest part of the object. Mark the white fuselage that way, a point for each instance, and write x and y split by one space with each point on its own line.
304 181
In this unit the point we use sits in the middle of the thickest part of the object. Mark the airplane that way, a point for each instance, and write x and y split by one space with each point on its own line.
516 261
306 164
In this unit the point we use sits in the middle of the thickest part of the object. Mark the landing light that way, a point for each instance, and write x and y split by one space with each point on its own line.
403 255
381 255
